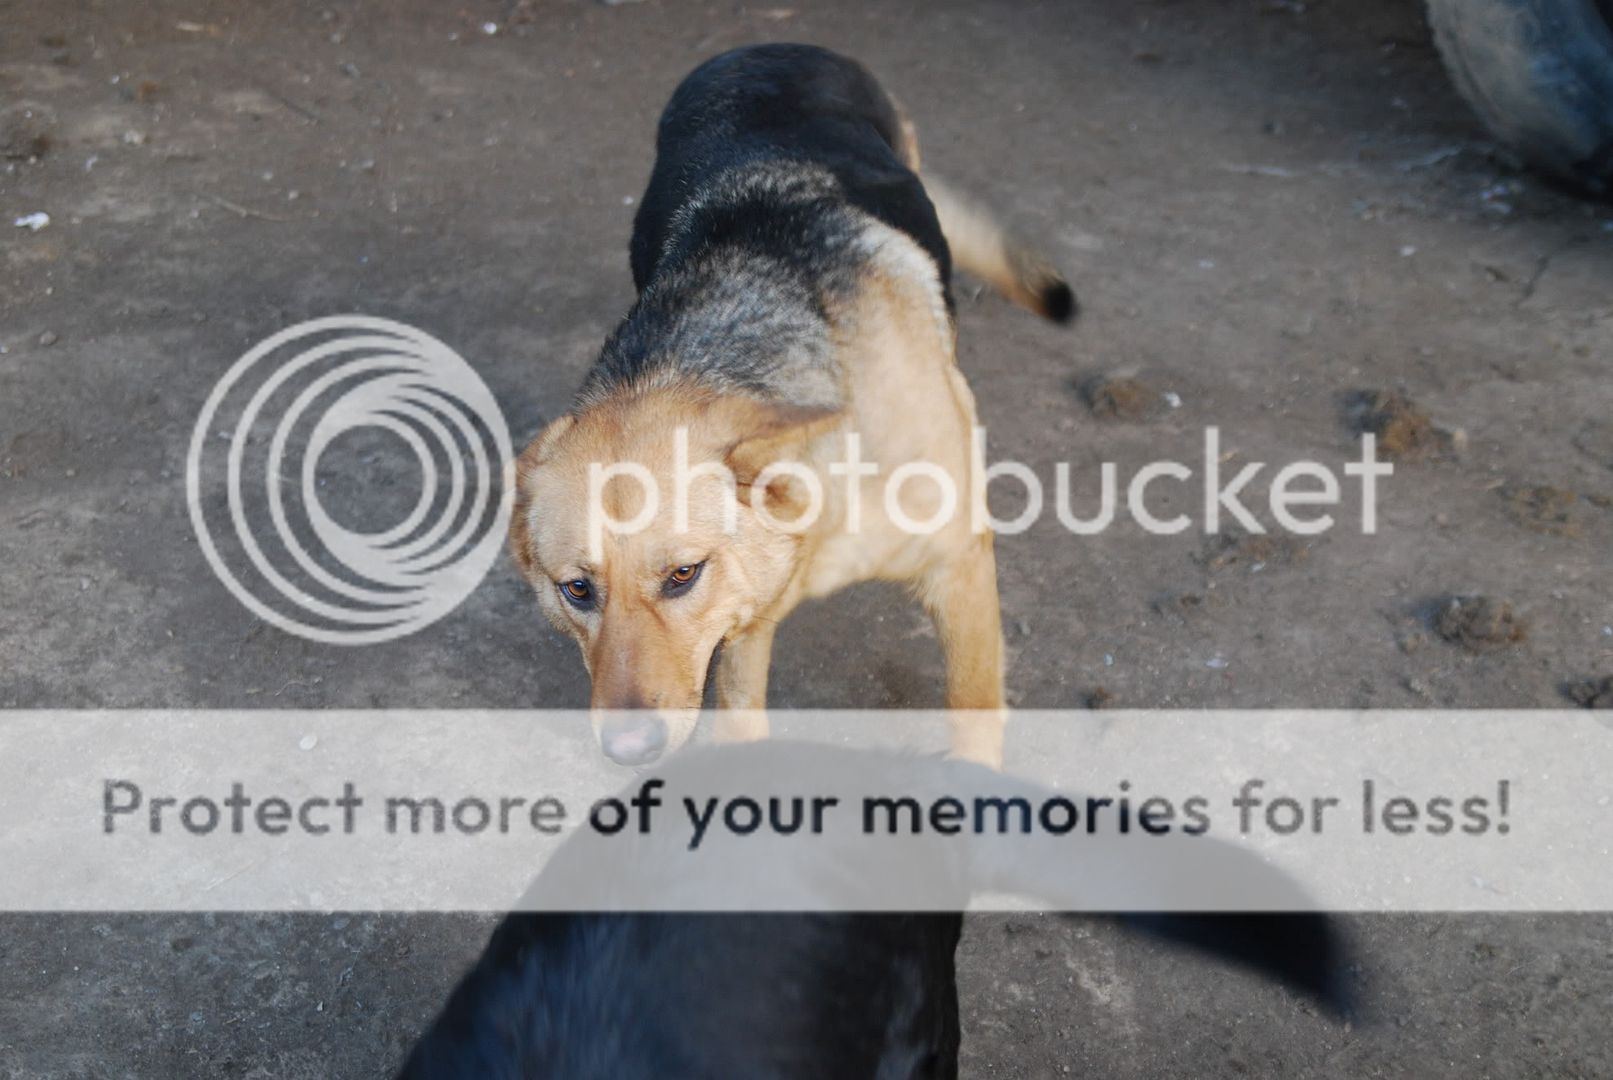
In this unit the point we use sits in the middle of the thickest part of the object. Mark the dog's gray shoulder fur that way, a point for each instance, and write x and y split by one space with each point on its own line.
745 313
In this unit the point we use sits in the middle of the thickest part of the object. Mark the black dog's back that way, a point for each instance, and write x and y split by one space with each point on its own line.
561 995
776 166
764 997
789 105
780 170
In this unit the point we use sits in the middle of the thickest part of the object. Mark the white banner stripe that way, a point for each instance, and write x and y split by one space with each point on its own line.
432 810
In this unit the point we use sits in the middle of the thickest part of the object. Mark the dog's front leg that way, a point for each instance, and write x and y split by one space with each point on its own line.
961 596
742 684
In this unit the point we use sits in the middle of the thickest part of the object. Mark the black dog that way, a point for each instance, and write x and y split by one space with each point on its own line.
805 996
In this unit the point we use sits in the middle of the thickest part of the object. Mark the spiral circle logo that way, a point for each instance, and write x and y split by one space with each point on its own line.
306 414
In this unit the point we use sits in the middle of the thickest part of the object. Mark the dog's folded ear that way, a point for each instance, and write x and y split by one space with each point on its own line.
520 535
539 447
775 437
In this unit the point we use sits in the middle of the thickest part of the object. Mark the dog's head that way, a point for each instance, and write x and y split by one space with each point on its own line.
652 529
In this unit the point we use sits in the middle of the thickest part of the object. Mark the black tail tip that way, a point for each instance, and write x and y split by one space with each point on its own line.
1303 951
1059 303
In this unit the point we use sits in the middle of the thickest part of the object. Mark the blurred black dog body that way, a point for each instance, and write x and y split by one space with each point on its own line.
675 996
837 992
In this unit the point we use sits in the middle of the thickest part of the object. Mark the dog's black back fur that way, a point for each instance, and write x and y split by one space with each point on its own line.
794 104
769 160
688 997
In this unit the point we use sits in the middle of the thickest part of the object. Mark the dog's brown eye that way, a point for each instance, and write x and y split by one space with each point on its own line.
579 592
679 580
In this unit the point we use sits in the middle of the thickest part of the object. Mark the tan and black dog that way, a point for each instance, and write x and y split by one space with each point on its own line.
794 276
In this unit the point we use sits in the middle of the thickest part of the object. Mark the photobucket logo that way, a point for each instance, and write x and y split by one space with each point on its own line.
923 497
279 410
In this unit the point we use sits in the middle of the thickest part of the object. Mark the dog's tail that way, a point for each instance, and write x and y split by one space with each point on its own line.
983 247
1286 942
979 243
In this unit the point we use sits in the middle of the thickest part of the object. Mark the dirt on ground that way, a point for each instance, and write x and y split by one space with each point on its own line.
1481 623
1123 398
1593 693
1544 508
1404 432
1265 206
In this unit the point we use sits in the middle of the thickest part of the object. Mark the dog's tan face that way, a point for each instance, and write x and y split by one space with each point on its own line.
649 604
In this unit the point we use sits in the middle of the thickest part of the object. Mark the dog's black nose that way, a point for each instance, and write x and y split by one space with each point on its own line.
633 740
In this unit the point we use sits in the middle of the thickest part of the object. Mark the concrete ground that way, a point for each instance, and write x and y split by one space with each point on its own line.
1266 207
